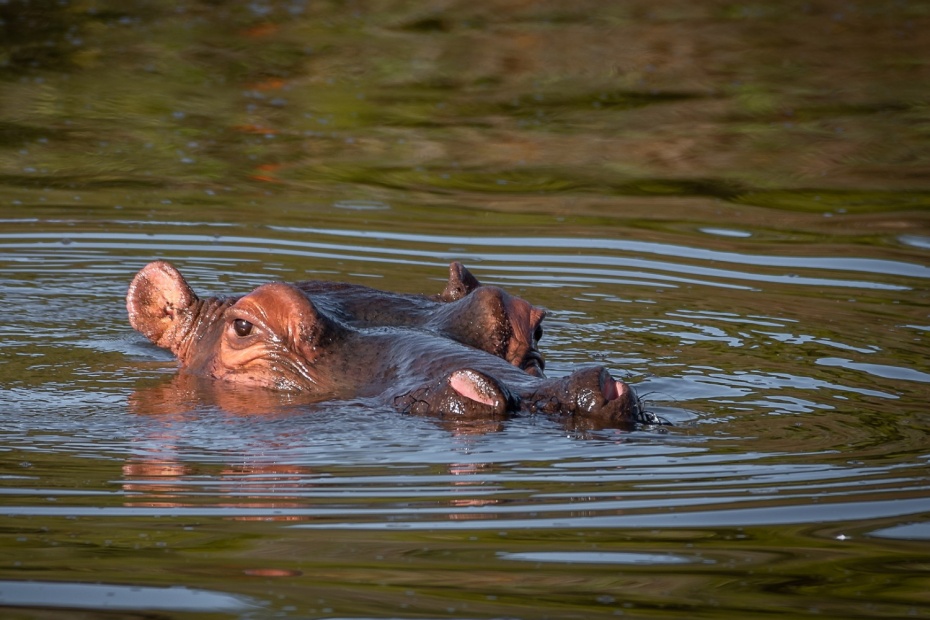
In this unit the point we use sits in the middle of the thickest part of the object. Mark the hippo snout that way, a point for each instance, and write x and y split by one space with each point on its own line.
588 398
591 394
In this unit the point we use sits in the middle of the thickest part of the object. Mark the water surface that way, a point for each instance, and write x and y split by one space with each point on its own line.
727 205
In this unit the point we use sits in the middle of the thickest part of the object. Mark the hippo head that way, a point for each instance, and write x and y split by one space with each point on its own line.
273 337
492 320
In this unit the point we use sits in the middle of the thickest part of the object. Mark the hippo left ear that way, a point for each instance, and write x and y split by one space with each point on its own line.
157 296
461 283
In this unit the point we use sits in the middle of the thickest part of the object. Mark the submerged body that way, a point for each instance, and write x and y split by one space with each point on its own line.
469 351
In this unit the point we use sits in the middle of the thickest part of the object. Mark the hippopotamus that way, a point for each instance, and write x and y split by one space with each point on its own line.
470 351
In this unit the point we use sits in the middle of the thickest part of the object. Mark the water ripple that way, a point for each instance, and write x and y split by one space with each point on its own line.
588 267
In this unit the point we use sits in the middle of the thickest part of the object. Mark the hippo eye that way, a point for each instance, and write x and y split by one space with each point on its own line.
243 328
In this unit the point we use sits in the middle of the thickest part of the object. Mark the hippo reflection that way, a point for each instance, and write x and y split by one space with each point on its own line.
470 351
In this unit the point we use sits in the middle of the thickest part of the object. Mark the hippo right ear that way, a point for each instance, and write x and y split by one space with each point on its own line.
157 296
461 283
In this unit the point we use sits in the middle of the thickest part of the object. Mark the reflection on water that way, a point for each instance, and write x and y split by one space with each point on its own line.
511 97
725 204
601 558
118 597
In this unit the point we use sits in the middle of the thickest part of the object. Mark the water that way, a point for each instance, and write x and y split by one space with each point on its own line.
744 240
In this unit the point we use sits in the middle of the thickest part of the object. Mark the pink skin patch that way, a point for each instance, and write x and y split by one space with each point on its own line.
612 389
472 386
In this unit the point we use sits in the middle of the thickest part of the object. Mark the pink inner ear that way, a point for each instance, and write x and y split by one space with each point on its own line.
155 297
612 389
469 385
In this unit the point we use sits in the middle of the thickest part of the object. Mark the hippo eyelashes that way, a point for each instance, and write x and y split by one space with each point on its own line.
242 327
469 351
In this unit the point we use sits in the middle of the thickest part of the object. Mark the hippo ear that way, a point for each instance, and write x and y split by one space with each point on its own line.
157 296
461 283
